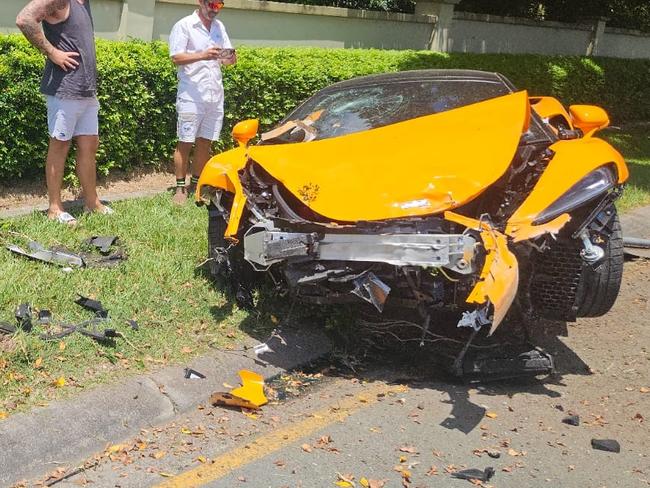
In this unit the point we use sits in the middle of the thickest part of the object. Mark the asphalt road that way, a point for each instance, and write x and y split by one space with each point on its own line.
407 425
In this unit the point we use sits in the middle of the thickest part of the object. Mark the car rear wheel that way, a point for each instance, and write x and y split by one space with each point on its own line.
599 286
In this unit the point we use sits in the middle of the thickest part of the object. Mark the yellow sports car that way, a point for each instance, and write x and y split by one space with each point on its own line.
433 189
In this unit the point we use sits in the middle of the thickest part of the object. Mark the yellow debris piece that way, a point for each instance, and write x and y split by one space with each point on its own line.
252 388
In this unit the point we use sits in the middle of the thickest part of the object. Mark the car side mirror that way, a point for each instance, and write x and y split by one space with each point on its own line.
588 118
245 130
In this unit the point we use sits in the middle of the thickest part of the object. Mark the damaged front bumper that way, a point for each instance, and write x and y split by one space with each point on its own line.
479 254
265 246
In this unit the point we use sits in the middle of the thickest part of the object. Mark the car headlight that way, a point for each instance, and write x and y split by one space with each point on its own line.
594 184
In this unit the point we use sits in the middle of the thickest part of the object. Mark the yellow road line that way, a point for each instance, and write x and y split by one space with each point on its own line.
274 441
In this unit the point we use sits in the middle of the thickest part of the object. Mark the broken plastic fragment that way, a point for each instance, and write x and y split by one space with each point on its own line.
572 420
192 374
252 389
475 319
609 445
371 289
92 305
103 243
226 399
261 349
475 474
40 253
249 395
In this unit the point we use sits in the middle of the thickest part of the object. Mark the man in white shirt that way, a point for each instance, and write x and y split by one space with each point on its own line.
198 46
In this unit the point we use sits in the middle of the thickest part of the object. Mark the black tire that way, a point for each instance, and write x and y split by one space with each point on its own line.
599 286
216 241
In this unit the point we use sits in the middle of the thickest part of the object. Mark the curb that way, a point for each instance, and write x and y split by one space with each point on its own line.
70 431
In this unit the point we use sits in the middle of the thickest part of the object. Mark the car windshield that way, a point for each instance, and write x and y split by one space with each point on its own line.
336 112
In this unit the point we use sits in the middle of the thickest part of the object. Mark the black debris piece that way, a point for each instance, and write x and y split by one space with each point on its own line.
103 243
609 445
133 324
24 317
474 474
44 317
191 374
572 420
559 407
92 305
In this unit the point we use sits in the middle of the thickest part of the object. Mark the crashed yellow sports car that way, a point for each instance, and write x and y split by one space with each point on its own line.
434 189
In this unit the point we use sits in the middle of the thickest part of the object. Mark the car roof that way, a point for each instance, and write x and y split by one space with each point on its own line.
419 75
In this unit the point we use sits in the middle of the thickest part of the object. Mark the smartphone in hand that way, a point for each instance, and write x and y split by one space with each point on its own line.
226 53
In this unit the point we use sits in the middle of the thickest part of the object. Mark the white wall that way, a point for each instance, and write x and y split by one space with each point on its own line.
471 33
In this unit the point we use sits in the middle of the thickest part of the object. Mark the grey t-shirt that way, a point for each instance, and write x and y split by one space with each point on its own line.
73 34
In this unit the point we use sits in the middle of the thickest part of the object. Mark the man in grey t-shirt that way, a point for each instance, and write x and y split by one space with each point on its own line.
63 31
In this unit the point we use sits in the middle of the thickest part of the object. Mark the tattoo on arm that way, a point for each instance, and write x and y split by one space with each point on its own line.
30 18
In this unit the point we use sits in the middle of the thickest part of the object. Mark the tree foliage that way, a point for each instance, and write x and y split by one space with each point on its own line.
629 14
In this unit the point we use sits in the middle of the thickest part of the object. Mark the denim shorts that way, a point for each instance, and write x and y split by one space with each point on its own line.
67 118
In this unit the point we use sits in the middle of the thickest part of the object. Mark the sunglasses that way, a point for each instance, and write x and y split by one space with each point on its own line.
213 5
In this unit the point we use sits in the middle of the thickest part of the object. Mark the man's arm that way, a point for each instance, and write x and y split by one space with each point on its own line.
187 58
29 22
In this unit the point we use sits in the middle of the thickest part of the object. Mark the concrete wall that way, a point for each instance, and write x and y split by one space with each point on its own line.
435 26
476 33
274 24
619 43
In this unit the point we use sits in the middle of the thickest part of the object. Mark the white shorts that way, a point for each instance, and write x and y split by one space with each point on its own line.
69 118
198 120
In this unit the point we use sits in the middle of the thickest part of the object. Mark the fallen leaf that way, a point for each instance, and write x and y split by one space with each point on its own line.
409 449
364 482
376 483
158 454
38 363
201 459
514 453
280 463
344 484
507 469
306 448
433 470
251 416
61 346
643 389
59 382
242 479
187 350
116 448
166 475
185 430
491 415
3 415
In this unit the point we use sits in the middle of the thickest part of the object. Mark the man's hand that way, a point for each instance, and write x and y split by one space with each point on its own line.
211 53
63 59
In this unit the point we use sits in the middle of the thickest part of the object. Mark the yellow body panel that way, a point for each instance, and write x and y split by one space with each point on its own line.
221 172
549 107
417 167
499 278
573 160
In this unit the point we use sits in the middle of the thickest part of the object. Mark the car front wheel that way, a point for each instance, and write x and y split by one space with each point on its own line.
600 284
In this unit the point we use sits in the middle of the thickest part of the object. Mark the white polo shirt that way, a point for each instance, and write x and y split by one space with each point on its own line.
200 81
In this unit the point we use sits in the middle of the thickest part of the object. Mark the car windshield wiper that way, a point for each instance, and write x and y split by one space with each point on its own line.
304 124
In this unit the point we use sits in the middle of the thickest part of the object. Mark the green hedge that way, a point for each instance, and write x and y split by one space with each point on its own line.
137 84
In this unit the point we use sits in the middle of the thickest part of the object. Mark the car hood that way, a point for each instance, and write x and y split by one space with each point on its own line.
417 167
